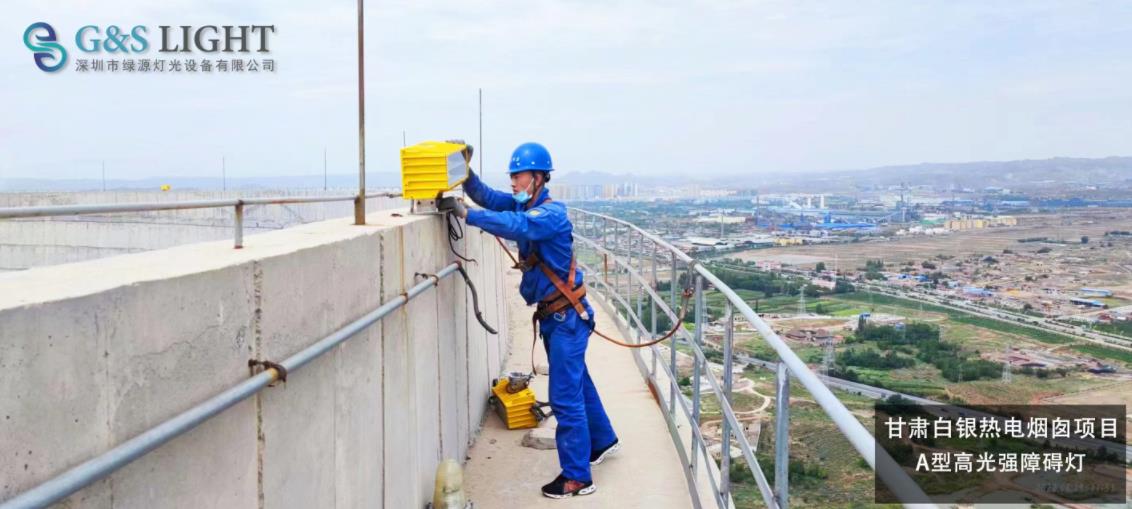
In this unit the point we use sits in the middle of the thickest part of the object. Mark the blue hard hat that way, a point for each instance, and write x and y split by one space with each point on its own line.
530 156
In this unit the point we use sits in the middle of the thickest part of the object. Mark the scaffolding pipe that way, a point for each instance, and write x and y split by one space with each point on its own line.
108 208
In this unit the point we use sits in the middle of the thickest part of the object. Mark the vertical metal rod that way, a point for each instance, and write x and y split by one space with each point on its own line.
624 293
323 168
640 296
782 436
223 174
617 277
480 147
605 233
653 268
725 443
616 267
638 287
633 282
239 225
104 175
628 268
672 285
698 339
672 344
652 310
360 201
629 247
631 286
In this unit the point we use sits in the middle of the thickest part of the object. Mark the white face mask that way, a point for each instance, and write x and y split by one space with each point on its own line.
524 196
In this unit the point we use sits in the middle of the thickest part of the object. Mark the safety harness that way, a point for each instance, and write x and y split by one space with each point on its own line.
564 297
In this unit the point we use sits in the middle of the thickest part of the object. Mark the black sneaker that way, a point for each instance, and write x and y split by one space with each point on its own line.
561 487
598 456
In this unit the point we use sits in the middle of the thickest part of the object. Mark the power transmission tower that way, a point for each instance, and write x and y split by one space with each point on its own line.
802 300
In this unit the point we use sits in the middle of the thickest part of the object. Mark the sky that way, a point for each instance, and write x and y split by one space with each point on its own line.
690 87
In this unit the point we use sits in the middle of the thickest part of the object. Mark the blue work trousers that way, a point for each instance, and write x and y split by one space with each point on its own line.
583 425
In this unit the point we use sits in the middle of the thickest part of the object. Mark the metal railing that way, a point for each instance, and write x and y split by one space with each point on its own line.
237 203
623 248
86 473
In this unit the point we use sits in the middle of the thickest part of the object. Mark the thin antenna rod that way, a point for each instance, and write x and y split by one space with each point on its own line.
223 174
103 175
360 201
323 168
480 147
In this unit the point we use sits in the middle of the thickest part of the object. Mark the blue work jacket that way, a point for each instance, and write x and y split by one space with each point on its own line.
544 228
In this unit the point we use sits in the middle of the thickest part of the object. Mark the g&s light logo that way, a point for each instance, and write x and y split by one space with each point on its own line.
179 49
41 40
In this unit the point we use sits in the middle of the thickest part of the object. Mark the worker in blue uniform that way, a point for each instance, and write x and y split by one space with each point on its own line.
543 231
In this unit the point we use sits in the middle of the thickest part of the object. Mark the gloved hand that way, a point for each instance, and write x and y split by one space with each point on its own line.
468 149
454 205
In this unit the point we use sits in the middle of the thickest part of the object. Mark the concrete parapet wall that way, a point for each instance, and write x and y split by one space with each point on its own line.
93 353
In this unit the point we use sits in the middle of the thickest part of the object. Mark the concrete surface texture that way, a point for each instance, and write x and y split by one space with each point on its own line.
93 353
645 473
39 242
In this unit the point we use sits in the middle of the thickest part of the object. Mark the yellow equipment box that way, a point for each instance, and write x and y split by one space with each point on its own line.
432 167
517 409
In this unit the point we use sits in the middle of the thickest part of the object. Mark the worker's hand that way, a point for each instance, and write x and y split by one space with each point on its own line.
468 149
454 205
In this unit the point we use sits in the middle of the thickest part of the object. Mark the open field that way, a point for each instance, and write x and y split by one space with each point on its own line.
984 336
1119 393
879 302
1069 226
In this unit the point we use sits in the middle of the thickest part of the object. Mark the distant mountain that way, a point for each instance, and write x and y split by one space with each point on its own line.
1020 174
1011 173
1023 175
1028 174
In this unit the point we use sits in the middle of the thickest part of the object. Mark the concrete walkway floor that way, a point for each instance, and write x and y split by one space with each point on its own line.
645 473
